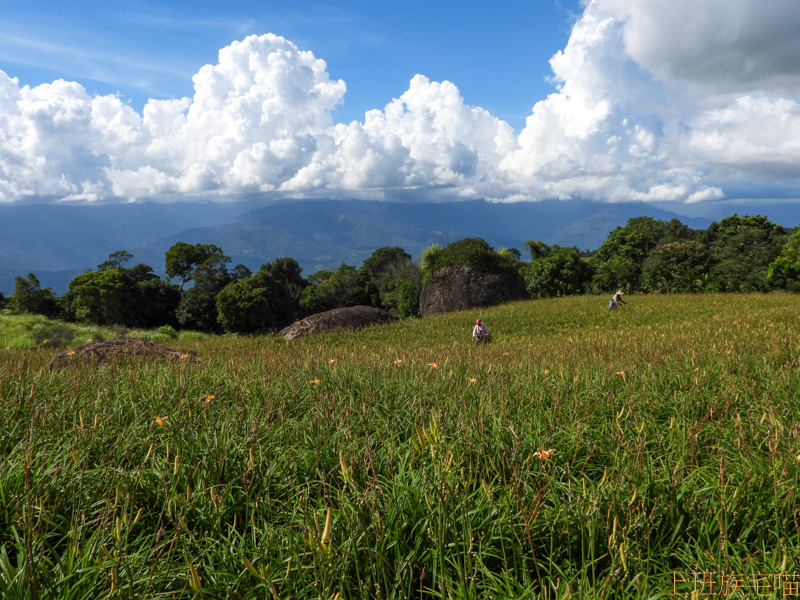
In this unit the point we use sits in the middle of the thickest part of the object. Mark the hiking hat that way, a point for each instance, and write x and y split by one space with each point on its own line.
620 292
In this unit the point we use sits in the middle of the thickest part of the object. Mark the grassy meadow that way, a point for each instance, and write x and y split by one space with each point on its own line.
585 453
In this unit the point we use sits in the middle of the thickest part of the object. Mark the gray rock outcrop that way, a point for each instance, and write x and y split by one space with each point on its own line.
337 319
461 287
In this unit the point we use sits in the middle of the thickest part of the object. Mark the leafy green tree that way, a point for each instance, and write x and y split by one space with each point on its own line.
284 290
380 268
335 289
401 298
102 297
115 295
140 273
676 267
430 256
555 270
30 297
242 307
116 260
198 306
240 272
618 262
182 259
156 302
468 251
742 250
511 253
620 259
390 280
3 301
617 271
784 271
270 299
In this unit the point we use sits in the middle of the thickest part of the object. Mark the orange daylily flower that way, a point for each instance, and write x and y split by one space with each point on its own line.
184 356
471 380
432 365
505 353
331 361
160 421
543 454
547 371
398 362
315 381
621 374
208 397
88 341
71 353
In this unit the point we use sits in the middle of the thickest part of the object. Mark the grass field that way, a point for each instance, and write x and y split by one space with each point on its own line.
640 453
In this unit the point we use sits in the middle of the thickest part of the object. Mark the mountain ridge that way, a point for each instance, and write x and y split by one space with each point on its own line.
57 242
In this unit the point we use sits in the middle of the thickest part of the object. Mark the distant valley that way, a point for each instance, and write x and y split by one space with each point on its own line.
57 242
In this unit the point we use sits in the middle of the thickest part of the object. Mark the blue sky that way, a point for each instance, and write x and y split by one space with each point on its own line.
607 100
496 54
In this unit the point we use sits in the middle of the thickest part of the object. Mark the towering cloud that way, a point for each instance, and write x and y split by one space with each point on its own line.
687 101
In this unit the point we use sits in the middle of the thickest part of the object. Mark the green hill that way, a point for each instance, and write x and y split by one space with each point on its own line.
583 452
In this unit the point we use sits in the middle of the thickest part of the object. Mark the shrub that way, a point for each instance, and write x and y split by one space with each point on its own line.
52 335
167 331
191 335
469 251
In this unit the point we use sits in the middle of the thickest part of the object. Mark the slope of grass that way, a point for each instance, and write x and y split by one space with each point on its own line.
34 331
405 462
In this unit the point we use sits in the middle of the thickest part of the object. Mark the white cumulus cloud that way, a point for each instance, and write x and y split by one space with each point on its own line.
652 101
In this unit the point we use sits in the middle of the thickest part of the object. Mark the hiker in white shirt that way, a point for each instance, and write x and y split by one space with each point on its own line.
616 300
480 333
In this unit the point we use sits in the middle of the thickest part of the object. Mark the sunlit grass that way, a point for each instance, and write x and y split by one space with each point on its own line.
583 452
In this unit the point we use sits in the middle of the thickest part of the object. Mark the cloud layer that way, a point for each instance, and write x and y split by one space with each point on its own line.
686 102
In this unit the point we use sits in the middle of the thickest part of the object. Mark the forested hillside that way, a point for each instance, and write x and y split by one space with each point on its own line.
58 242
203 291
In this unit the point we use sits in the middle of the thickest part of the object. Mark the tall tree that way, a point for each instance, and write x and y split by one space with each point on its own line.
242 307
335 289
742 249
116 260
30 297
270 299
103 297
390 280
620 259
680 266
182 259
285 290
115 295
468 251
784 271
198 305
555 270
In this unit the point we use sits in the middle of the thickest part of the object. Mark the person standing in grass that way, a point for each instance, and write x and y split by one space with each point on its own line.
616 300
480 333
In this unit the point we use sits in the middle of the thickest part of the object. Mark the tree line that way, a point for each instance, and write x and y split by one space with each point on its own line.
203 292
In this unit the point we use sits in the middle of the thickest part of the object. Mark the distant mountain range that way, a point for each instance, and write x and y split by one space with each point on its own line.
57 241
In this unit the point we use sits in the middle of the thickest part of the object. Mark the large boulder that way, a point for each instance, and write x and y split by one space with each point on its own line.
461 287
338 319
